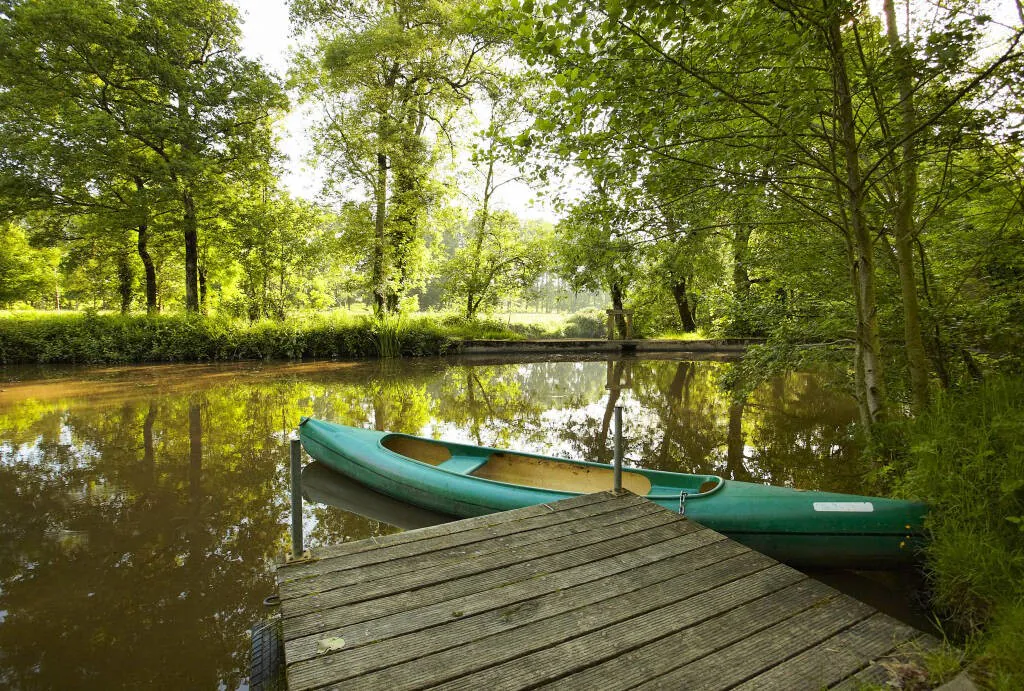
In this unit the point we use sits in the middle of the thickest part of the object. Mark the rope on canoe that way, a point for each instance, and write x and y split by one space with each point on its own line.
682 503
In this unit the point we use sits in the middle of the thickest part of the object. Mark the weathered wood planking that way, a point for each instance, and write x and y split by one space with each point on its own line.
598 591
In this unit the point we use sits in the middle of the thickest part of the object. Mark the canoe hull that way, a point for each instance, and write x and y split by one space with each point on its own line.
813 529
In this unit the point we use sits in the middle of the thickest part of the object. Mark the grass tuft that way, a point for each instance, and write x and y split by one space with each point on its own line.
966 459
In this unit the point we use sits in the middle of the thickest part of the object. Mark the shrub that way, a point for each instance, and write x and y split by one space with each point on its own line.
966 459
90 338
591 323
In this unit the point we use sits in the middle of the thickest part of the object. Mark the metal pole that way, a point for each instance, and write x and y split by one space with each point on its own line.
296 472
618 448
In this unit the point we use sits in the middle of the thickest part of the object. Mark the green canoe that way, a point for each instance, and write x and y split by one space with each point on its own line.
820 529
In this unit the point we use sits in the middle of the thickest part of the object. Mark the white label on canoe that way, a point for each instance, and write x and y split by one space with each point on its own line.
850 506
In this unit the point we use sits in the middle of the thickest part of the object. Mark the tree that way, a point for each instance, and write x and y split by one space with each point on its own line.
133 97
499 257
595 251
389 78
283 246
794 111
500 260
26 274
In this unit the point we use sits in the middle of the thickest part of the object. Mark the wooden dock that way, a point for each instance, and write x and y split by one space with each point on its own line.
599 591
603 345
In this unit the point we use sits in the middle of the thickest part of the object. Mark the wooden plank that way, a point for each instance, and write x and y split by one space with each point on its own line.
740 661
627 654
491 638
702 573
317 602
484 541
879 671
327 562
289 571
624 571
836 658
603 591
602 659
539 560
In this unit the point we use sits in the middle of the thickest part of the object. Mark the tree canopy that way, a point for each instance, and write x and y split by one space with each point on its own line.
833 172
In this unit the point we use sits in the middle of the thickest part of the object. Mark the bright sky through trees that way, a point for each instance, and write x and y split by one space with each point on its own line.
266 36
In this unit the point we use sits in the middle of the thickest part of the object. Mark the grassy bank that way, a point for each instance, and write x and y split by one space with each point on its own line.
965 457
101 338
94 338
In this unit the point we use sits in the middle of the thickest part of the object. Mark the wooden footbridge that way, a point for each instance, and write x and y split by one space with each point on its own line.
605 591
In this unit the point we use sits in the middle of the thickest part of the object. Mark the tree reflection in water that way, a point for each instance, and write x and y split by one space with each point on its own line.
142 507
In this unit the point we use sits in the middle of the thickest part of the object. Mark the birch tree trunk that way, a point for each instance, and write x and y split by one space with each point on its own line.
869 342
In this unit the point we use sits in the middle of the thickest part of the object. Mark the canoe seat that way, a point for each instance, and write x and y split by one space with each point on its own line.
707 486
422 450
535 471
463 465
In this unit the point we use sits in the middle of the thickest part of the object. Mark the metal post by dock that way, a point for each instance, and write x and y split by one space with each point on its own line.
617 458
296 477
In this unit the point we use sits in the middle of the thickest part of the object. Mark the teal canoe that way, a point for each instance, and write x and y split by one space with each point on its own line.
804 528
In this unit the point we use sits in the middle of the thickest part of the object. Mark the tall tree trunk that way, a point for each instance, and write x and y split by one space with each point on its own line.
620 319
405 207
905 226
202 287
191 225
863 270
476 278
149 268
377 277
147 261
125 279
686 316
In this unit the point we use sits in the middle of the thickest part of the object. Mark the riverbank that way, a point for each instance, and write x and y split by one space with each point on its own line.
98 339
90 338
965 458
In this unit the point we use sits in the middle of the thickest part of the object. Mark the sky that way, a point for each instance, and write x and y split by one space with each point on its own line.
266 37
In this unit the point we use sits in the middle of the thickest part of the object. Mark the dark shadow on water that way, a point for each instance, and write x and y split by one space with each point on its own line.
899 593
324 486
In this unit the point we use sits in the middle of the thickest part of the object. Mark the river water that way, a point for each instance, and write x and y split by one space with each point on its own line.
142 508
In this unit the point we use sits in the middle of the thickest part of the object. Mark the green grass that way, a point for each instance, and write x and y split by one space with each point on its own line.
97 338
682 336
965 457
552 321
90 338
107 337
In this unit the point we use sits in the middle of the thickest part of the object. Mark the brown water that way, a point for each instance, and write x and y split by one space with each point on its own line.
141 508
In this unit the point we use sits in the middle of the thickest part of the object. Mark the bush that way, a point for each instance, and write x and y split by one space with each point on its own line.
484 328
91 338
966 459
591 323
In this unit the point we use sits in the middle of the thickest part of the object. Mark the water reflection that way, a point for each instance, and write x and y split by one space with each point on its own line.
141 508
324 486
